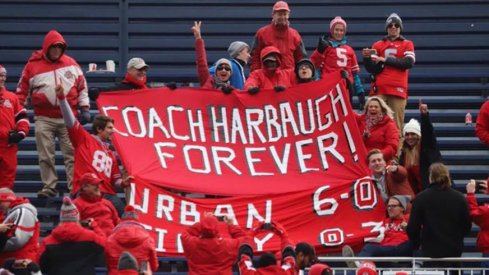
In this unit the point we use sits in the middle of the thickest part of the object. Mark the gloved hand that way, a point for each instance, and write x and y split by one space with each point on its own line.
15 137
227 89
279 88
171 85
93 93
322 44
253 90
85 117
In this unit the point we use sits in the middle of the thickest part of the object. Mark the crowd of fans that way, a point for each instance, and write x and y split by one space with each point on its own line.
423 211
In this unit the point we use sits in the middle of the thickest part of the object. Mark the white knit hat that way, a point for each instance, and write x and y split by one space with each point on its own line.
412 127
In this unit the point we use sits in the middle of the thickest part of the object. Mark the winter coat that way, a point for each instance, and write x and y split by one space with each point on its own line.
397 183
99 209
12 115
238 77
286 39
206 80
245 266
383 136
130 236
264 79
41 75
480 216
482 124
71 249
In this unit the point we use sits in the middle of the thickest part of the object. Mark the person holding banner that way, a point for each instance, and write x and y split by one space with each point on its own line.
267 264
239 52
305 71
378 128
93 154
333 54
221 78
270 76
208 252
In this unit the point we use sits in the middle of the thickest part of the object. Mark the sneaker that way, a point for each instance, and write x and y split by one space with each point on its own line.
347 251
47 193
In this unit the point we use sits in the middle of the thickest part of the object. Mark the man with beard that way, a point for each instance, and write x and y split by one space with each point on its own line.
278 34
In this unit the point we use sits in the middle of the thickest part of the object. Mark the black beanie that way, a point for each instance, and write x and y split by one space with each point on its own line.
127 262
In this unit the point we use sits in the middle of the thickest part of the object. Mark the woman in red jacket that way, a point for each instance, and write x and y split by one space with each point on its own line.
480 216
378 128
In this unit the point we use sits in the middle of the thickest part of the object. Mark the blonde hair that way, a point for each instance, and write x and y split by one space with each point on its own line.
385 108
439 174
411 154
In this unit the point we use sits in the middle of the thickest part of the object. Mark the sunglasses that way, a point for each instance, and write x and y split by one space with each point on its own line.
59 46
395 25
220 68
393 205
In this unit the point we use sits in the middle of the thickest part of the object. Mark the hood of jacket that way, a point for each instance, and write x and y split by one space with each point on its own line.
21 202
270 50
52 37
67 232
129 235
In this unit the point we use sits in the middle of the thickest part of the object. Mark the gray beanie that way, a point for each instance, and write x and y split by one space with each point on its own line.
403 200
224 61
393 18
127 262
236 47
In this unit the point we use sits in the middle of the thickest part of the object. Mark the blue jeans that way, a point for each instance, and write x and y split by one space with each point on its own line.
117 202
404 249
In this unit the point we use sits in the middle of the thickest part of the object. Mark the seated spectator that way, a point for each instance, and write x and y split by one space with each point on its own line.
396 242
92 205
131 236
267 264
134 79
439 219
482 123
419 150
23 235
270 75
305 256
127 265
208 252
480 216
240 56
304 71
390 179
333 54
378 128
222 75
320 269
71 248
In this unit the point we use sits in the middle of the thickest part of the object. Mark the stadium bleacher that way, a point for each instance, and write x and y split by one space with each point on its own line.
450 75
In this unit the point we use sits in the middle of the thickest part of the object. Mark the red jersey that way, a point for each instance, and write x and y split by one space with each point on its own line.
337 58
12 115
394 234
93 156
393 81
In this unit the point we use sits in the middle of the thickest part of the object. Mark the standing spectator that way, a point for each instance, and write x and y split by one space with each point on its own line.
92 205
71 248
131 236
46 69
208 252
305 71
480 216
419 150
305 256
222 75
482 124
333 54
378 129
280 35
439 218
396 241
390 179
270 76
388 62
267 264
23 236
134 79
240 56
14 127
93 154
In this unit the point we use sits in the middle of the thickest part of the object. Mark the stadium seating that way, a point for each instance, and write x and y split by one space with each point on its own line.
450 36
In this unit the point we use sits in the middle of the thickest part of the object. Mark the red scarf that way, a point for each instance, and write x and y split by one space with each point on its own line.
140 83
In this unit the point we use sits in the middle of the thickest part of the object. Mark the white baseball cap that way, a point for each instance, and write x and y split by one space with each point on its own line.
137 63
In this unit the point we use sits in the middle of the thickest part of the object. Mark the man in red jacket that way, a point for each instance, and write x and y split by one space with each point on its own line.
92 205
208 252
14 127
23 236
46 69
131 236
71 248
280 35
